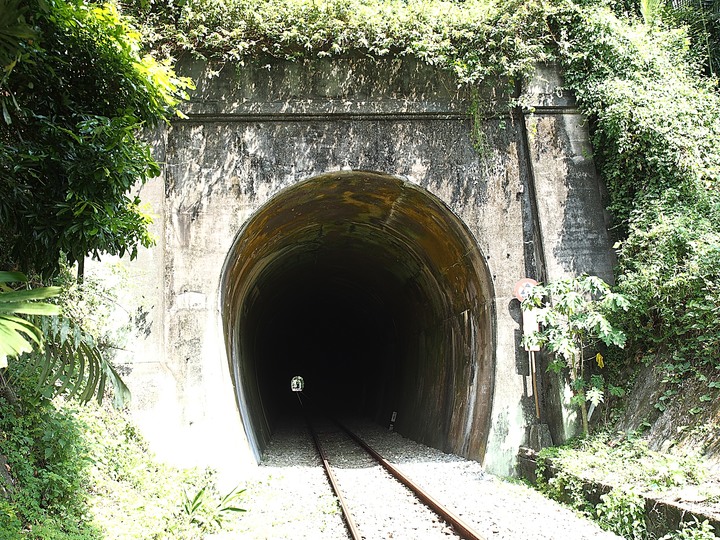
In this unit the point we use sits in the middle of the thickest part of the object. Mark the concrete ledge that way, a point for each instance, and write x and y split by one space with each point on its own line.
661 517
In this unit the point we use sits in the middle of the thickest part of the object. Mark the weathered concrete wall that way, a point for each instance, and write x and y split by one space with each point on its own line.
527 194
571 223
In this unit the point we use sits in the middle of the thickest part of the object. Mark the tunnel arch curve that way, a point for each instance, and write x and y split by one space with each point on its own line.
374 291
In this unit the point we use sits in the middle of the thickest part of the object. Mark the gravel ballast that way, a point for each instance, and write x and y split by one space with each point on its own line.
290 497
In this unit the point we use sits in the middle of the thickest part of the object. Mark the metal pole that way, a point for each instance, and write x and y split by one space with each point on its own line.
533 374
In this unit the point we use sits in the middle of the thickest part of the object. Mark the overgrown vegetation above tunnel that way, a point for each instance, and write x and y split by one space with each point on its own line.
639 76
474 39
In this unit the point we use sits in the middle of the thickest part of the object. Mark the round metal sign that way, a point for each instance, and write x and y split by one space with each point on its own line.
523 287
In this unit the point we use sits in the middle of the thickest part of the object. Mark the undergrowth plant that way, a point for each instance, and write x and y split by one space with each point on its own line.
570 474
596 458
85 473
47 459
573 316
693 530
622 511
135 497
76 469
210 512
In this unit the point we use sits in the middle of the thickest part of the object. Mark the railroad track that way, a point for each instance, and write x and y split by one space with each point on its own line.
373 493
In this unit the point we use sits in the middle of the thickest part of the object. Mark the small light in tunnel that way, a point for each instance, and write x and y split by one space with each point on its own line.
297 383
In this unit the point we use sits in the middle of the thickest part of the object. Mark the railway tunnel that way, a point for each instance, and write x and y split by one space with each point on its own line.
370 288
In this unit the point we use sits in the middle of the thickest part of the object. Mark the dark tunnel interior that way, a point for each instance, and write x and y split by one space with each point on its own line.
375 294
331 323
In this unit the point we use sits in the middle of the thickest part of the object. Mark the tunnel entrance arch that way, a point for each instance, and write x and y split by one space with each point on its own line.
377 294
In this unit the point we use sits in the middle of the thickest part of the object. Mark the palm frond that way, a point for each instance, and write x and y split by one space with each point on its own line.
73 364
19 335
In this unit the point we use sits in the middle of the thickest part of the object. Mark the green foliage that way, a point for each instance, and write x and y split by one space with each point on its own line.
69 147
702 19
134 497
13 30
44 445
649 109
656 134
651 11
622 511
694 530
80 344
18 335
573 316
627 461
209 512
77 344
675 257
86 474
562 485
631 468
476 39
48 460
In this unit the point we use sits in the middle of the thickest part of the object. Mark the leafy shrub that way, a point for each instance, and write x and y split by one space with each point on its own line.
563 485
78 342
622 511
18 335
83 473
656 135
573 315
703 22
48 460
694 530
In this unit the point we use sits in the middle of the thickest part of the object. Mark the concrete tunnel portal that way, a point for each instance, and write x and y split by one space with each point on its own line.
375 292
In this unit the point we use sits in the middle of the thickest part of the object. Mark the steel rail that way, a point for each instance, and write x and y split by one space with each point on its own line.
347 515
349 521
460 527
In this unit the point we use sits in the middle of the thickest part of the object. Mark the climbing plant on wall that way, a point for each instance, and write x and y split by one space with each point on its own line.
474 39
657 144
